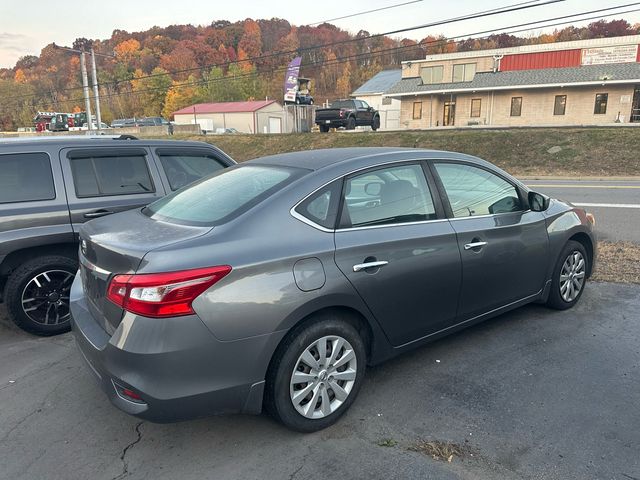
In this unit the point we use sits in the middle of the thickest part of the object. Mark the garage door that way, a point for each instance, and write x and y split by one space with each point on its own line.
275 125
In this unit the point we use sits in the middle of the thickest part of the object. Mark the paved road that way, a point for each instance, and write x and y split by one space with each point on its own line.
615 204
534 394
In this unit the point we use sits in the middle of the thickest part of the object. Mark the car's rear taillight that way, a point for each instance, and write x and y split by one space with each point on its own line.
163 294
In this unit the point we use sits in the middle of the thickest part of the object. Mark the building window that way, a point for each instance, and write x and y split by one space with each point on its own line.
417 110
386 100
464 72
476 107
560 105
516 106
601 104
431 75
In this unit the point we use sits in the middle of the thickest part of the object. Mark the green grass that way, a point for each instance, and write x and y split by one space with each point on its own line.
584 151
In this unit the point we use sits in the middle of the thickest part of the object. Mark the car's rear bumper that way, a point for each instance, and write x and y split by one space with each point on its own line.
176 365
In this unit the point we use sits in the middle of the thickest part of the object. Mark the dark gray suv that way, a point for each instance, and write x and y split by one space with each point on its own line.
49 186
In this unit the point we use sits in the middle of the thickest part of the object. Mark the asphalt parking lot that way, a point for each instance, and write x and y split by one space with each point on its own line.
532 394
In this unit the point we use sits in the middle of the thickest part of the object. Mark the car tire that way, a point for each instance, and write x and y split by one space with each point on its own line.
324 128
569 276
375 124
351 123
47 280
328 398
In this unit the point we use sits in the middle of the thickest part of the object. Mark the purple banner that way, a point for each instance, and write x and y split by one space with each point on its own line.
291 80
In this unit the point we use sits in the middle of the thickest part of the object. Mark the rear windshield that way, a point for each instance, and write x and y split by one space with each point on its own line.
223 196
343 104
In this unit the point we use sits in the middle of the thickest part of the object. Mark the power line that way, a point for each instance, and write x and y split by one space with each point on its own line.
340 60
365 12
481 14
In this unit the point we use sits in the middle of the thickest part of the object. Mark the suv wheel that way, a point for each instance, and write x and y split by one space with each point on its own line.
351 123
324 128
37 294
375 124
316 375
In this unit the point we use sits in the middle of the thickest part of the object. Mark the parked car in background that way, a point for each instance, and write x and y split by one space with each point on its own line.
275 282
304 98
49 186
152 122
120 122
94 126
348 114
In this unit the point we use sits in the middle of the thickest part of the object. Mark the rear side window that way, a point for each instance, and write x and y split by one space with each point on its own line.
26 177
322 207
97 176
185 168
223 196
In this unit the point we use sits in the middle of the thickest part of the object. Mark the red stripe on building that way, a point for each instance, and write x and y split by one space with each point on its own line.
540 60
638 56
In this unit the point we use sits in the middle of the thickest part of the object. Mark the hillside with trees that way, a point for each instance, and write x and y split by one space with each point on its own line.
160 70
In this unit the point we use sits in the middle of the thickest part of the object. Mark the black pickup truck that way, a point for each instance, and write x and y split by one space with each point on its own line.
348 114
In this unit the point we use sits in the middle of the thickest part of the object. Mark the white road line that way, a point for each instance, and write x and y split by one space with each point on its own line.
608 205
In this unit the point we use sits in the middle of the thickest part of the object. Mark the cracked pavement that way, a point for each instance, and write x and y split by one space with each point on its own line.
535 394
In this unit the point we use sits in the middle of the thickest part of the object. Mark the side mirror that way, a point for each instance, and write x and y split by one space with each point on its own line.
538 202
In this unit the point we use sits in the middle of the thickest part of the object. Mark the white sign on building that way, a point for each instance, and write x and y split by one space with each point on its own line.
604 55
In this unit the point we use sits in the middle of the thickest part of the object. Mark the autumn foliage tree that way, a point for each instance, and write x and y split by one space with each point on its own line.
166 68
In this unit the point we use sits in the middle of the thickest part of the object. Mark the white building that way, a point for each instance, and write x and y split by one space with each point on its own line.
257 116
371 92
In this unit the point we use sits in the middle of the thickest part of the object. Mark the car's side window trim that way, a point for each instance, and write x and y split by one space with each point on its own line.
445 197
437 201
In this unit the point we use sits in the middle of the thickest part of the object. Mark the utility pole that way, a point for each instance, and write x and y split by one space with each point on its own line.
85 90
85 83
96 92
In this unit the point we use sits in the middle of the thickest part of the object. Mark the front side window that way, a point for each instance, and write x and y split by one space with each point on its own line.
111 175
26 177
386 196
431 75
417 110
473 191
223 196
601 104
560 105
183 169
476 107
516 106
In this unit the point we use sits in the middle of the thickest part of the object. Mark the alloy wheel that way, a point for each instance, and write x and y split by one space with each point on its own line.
45 298
323 377
572 276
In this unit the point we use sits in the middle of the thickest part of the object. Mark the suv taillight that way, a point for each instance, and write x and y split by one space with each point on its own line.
163 294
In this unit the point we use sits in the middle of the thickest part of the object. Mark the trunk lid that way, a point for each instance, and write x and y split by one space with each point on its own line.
117 245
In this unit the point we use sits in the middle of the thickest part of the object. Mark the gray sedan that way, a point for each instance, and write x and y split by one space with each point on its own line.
273 284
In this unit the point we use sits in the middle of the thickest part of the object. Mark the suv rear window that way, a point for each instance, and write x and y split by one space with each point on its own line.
26 177
96 176
222 197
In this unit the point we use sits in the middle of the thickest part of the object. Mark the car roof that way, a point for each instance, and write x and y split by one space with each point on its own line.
93 140
319 159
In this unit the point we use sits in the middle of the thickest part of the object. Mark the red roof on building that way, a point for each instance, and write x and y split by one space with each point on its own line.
225 107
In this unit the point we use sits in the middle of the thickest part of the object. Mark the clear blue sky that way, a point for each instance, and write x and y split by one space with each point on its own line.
27 26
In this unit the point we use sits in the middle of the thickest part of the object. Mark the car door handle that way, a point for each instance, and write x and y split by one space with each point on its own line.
97 213
469 246
363 266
